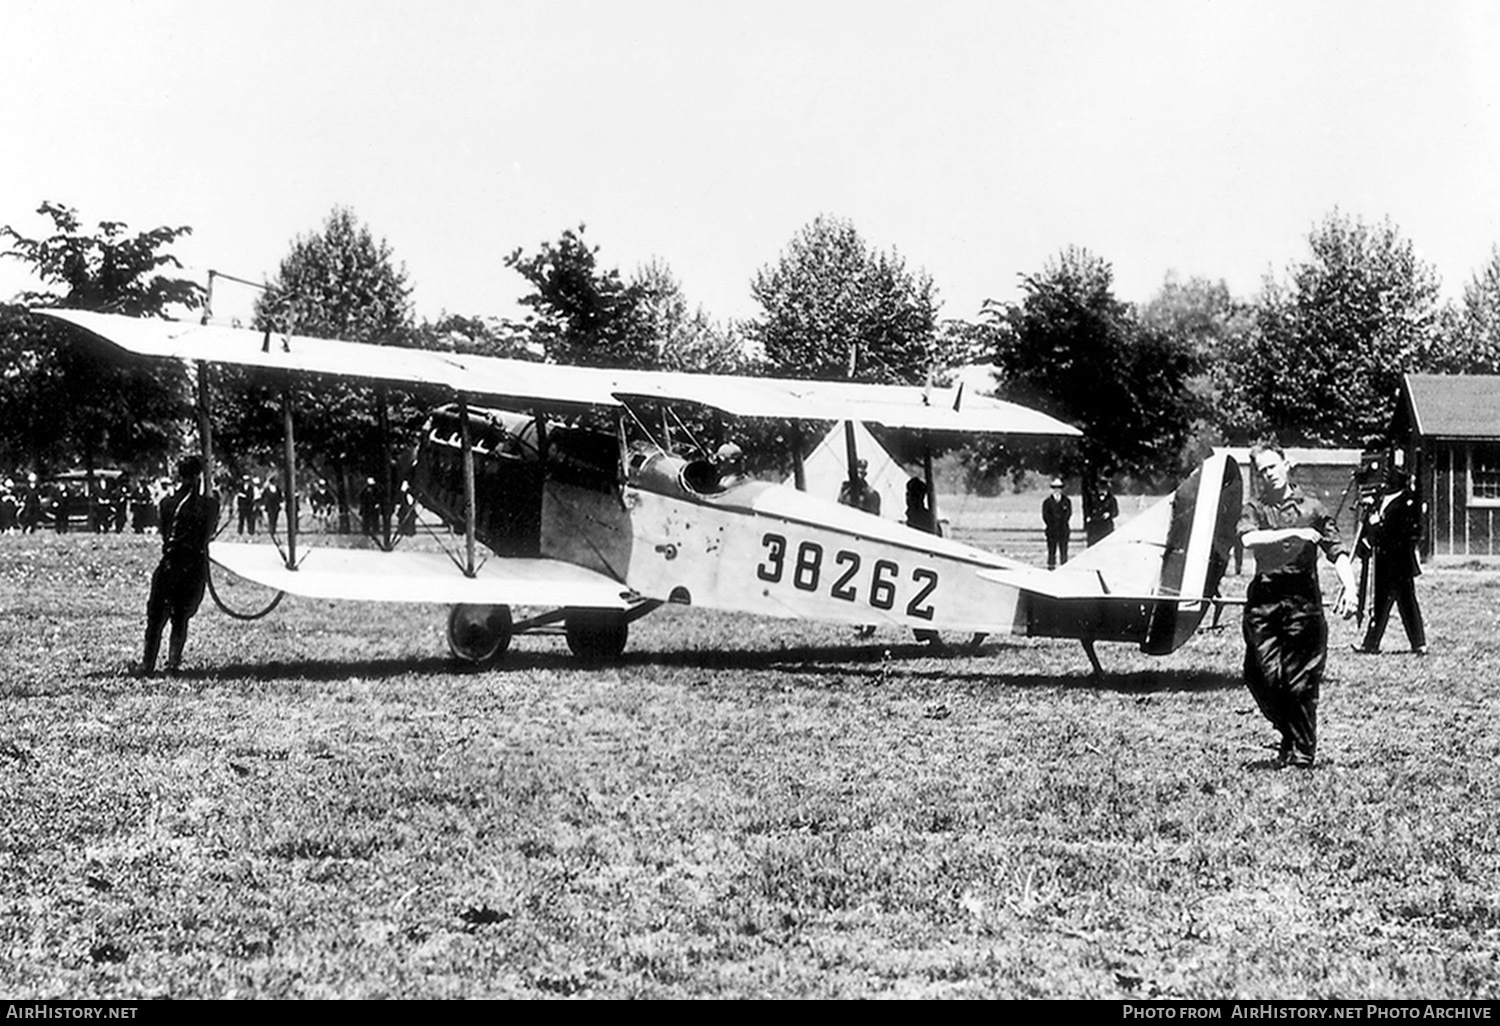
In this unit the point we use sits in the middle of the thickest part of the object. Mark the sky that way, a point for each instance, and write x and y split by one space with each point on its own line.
975 138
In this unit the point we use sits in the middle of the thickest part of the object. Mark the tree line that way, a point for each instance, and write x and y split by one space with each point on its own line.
1315 357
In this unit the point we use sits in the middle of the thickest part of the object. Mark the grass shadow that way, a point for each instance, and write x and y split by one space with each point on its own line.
910 661
314 670
1175 679
956 664
319 670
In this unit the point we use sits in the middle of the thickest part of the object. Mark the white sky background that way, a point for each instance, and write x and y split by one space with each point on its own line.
977 139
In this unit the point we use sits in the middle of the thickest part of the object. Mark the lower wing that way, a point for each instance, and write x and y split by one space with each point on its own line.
369 575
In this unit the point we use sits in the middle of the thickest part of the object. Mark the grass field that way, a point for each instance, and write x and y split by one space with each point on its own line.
322 806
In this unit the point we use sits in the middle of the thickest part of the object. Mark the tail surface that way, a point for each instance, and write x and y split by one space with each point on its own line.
1151 581
1205 510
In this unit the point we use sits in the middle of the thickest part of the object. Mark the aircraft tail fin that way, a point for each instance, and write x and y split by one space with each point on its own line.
1205 510
1171 557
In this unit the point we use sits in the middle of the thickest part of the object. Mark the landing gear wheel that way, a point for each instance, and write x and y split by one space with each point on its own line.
477 634
597 635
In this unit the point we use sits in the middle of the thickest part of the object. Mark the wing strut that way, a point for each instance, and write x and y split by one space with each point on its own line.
932 505
467 443
205 428
289 495
851 453
387 492
205 425
799 471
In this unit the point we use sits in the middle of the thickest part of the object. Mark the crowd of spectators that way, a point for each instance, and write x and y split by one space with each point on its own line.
111 501
101 503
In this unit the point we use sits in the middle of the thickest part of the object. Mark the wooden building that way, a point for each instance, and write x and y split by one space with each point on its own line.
1450 423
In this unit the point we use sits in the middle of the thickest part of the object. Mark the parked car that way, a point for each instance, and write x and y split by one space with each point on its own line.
86 500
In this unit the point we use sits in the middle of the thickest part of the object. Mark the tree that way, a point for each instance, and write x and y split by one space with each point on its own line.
1071 349
1205 319
64 399
686 340
338 282
1330 345
834 308
583 315
480 336
1476 324
959 343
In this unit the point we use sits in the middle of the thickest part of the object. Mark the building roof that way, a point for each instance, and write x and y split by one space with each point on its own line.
1454 405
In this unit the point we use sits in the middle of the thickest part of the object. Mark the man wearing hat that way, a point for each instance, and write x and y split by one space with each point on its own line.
729 465
1394 527
188 519
1057 517
856 492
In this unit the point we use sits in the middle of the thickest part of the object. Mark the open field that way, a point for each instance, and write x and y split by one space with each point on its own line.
322 806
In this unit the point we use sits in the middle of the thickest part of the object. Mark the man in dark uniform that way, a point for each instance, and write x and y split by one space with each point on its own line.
31 506
919 518
119 503
1392 527
10 507
101 508
1100 508
856 490
270 500
55 500
918 508
1286 635
140 507
188 519
1057 520
246 502
369 508
30 515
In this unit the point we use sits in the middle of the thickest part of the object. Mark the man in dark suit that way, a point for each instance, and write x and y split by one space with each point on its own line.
188 519
1393 527
1057 519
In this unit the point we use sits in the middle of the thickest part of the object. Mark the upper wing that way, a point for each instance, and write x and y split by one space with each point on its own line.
523 381
373 576
472 375
894 406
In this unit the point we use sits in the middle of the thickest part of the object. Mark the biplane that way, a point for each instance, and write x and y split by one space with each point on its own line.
597 521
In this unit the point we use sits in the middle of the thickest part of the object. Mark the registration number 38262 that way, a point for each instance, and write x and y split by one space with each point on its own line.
845 576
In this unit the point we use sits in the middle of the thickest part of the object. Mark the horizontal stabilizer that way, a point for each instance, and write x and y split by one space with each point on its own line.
373 576
1084 587
1151 581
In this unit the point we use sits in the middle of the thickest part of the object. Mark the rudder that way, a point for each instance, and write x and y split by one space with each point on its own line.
1198 544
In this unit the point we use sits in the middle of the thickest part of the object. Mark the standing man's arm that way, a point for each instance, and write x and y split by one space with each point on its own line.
166 512
210 519
1343 605
1264 536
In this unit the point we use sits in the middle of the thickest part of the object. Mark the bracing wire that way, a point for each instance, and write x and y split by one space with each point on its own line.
234 613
